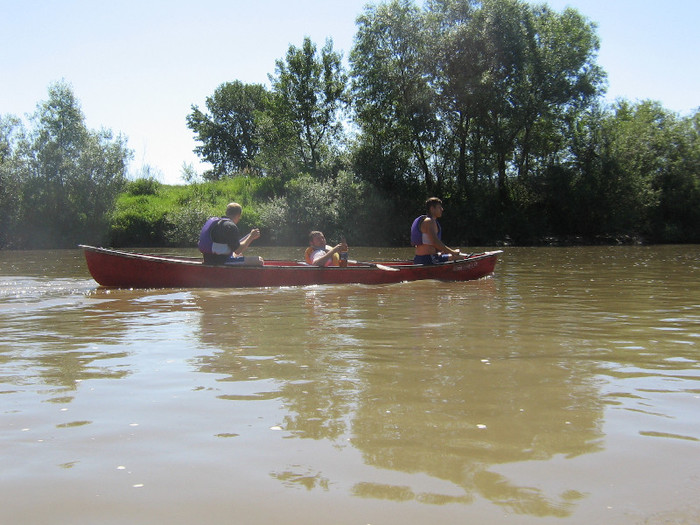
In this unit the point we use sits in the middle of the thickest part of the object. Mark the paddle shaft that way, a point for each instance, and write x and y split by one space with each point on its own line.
375 265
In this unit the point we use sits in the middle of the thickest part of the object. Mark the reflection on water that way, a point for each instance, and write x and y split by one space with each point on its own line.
419 395
394 372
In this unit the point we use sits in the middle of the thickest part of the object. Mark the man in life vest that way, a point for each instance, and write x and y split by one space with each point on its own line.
320 254
220 239
426 236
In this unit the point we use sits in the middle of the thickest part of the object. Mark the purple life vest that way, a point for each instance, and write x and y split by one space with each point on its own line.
205 240
417 235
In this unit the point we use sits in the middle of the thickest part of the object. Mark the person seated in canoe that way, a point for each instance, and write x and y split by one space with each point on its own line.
426 236
220 241
320 254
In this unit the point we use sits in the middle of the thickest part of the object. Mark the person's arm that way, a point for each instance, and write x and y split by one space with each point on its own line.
323 259
431 230
247 241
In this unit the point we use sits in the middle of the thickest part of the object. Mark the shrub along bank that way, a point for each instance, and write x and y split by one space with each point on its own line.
149 213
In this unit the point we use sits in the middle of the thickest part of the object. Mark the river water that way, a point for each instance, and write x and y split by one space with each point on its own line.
564 389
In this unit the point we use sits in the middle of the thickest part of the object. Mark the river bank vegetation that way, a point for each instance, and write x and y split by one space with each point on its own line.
495 106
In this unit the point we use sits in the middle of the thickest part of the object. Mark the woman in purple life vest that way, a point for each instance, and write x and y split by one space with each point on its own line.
426 236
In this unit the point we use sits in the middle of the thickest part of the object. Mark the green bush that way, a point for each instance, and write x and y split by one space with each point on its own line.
182 225
145 186
149 213
340 207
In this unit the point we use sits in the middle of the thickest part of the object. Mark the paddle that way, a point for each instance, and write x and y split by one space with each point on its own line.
374 265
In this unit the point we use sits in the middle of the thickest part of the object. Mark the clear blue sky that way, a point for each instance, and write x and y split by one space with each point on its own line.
137 66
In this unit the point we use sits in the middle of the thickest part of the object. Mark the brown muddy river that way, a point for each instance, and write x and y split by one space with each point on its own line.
564 389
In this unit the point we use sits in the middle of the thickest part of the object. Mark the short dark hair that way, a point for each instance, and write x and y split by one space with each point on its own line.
432 201
314 234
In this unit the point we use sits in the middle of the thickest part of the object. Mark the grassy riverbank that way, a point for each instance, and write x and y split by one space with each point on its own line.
149 213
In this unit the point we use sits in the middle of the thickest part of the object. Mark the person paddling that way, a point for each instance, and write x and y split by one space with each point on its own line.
220 241
426 236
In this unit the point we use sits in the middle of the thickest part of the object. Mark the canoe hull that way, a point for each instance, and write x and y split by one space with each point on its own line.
119 269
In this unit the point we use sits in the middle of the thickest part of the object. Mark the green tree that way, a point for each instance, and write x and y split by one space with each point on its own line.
561 80
392 95
466 85
12 172
634 169
310 94
71 176
677 217
230 132
657 157
340 207
540 68
458 67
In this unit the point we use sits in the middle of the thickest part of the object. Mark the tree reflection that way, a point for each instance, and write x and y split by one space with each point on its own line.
370 365
77 337
69 342
457 421
292 358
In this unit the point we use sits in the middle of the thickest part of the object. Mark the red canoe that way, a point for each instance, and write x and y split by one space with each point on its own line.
119 269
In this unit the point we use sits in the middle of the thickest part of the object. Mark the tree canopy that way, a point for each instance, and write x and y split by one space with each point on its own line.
294 127
309 95
229 134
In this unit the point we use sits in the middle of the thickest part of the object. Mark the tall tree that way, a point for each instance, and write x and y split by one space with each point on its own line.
72 175
310 94
561 80
459 67
468 84
12 172
391 90
230 133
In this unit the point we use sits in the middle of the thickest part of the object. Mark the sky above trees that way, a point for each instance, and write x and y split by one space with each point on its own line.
138 67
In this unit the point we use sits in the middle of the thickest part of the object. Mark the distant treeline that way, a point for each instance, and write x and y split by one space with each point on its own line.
495 106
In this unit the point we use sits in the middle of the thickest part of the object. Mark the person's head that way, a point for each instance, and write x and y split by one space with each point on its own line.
317 239
433 207
234 211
